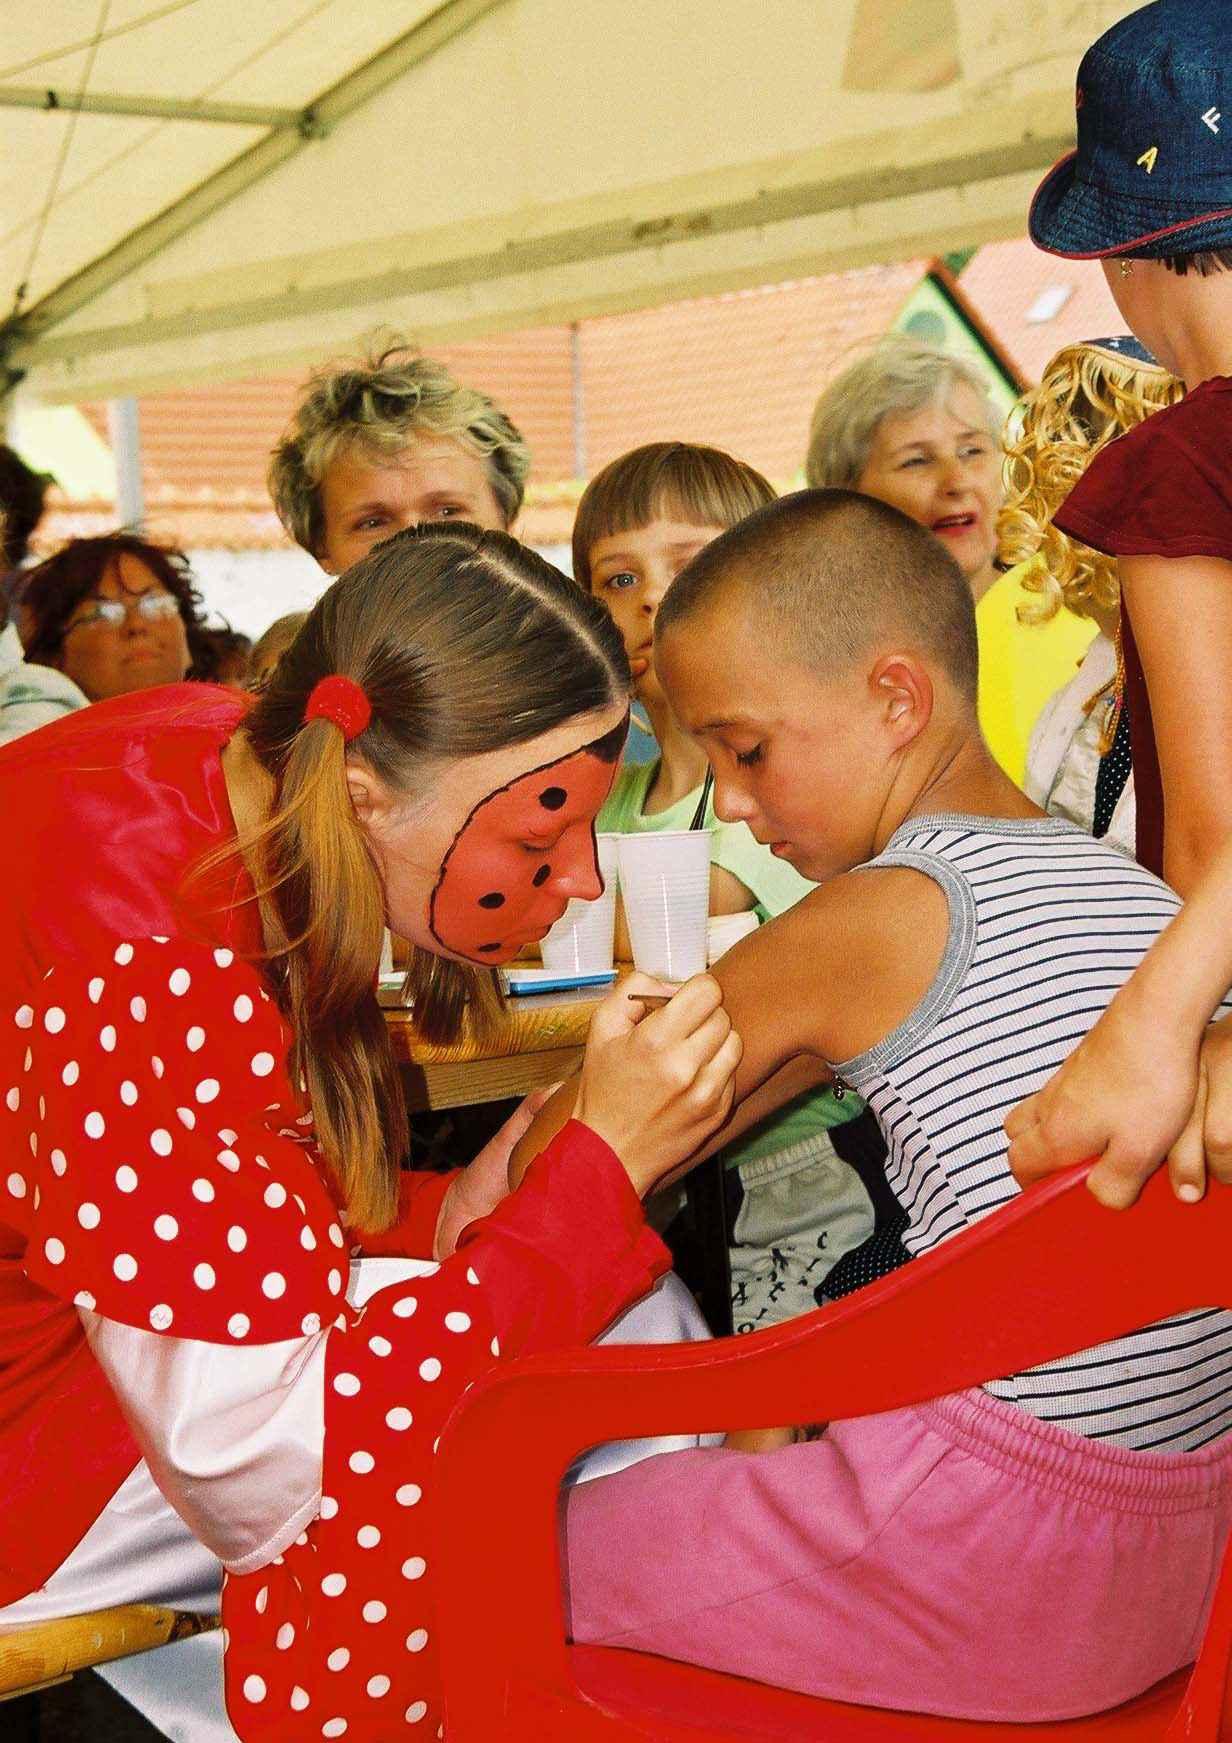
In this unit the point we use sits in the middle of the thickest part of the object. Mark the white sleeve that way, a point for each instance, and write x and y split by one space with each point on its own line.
234 1438
22 712
1048 743
1062 717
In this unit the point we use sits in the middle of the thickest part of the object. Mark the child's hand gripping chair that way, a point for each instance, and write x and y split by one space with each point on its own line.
1053 1272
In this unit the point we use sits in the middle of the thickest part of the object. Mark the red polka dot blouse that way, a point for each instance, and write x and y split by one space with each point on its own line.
161 1191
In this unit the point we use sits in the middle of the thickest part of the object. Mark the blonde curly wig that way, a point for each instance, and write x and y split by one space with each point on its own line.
1088 396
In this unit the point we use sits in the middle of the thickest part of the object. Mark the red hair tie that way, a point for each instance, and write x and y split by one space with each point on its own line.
342 700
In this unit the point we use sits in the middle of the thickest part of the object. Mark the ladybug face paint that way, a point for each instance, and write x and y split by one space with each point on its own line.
523 853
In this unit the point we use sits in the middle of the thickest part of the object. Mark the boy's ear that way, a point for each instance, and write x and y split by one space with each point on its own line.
903 692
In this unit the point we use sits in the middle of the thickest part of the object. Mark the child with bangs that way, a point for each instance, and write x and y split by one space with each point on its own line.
805 1192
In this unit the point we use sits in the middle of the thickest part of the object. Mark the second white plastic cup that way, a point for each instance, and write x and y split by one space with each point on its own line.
581 940
725 930
665 886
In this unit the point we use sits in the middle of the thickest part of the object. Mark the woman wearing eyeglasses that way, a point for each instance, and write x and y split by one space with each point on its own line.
116 614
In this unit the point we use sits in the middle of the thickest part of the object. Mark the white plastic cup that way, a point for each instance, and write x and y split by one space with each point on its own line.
665 885
724 930
581 941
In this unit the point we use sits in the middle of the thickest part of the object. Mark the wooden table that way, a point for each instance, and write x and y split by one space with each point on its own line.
540 1040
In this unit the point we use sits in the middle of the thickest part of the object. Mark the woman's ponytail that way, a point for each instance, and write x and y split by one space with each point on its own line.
325 891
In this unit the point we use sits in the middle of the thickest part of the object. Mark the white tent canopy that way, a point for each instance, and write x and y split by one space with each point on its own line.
201 188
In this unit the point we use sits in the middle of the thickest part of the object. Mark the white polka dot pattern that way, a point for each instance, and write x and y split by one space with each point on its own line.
343 1630
142 1204
193 1243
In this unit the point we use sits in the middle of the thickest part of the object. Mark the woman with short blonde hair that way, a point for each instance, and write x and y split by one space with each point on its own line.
386 441
899 375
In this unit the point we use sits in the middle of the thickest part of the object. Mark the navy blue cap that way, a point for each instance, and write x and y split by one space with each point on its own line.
1127 346
1152 174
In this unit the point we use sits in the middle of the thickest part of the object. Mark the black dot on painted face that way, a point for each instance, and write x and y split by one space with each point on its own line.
493 899
552 798
487 949
541 876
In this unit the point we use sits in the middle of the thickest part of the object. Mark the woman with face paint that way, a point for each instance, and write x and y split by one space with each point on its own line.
204 1124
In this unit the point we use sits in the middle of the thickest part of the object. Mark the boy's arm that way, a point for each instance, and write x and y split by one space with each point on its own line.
1169 600
825 980
795 1078
835 974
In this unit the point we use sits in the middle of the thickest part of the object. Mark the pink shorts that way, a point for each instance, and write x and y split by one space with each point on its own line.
960 1557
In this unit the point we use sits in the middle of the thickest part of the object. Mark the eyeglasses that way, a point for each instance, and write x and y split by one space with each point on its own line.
151 607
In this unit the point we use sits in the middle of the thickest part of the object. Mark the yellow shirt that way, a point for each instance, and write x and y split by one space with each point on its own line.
1021 666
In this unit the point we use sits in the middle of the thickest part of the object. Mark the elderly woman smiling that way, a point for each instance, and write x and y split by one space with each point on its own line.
914 427
388 442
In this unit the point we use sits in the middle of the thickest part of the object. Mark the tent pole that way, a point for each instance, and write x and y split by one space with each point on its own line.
124 419
51 102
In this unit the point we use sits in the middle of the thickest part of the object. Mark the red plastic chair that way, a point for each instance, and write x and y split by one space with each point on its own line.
1053 1272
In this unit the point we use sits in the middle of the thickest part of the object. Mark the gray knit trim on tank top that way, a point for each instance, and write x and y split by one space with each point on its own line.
866 1068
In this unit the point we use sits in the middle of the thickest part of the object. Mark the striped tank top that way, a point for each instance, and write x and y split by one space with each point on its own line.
1045 925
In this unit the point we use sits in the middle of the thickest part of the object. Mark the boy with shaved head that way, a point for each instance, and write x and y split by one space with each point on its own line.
961 942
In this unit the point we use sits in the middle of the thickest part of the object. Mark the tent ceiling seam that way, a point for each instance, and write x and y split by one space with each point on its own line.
333 105
857 191
125 29
66 144
143 139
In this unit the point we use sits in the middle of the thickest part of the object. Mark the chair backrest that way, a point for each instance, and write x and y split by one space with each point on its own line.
1052 1273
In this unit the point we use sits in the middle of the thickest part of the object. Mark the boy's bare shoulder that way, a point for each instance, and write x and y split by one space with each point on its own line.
871 890
850 961
863 909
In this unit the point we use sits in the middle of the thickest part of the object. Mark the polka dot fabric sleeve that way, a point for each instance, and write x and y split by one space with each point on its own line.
337 1639
158 1159
162 1171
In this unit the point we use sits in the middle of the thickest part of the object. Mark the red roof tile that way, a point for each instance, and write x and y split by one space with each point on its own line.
1006 280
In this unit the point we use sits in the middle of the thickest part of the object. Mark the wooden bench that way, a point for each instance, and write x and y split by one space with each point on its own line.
37 1655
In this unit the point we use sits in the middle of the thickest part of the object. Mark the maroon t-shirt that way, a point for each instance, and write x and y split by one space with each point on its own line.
1162 490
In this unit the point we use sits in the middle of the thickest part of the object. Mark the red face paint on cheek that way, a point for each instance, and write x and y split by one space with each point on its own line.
495 890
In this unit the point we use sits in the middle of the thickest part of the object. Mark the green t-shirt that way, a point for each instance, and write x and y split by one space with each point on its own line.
775 886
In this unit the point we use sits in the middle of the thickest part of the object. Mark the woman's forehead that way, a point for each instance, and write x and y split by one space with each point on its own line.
956 409
595 737
127 573
357 469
